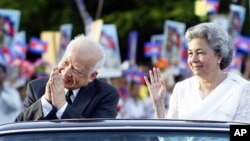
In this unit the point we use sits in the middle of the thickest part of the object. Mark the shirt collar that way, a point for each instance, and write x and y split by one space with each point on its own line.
74 91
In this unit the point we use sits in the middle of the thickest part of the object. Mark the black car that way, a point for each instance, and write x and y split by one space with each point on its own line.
115 130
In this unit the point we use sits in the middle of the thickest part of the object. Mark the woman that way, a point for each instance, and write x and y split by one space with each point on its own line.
211 94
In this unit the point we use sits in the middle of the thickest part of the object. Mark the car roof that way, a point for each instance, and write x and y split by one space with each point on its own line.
114 124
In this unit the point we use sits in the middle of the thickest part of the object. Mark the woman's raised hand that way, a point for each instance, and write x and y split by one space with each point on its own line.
156 87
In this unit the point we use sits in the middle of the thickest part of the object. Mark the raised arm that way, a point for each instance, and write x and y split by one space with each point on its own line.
157 90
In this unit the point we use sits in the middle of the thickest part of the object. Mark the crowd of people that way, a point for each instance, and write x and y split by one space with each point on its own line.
72 89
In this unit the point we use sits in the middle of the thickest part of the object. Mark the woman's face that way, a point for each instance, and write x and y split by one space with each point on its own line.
202 60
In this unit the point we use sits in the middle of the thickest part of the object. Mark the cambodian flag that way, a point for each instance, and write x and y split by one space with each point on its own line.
242 44
8 26
135 76
19 49
37 46
152 49
212 6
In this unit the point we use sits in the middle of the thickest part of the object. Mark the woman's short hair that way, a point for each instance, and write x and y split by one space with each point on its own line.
218 39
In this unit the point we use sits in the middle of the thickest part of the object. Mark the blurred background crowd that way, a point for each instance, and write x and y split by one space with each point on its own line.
136 35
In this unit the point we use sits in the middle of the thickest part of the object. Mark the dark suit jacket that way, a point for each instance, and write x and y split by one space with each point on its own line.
97 100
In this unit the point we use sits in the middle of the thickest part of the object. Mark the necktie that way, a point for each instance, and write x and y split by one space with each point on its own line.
68 95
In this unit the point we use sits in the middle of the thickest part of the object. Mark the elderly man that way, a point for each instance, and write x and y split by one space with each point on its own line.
72 90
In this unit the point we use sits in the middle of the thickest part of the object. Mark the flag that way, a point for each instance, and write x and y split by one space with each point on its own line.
212 6
152 49
37 46
19 49
242 44
135 76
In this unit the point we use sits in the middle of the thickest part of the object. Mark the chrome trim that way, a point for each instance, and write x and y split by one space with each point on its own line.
113 128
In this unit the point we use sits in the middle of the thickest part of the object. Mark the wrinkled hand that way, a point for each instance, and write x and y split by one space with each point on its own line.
55 89
49 83
48 93
156 87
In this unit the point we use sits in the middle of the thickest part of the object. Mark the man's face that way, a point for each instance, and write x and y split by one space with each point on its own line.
75 70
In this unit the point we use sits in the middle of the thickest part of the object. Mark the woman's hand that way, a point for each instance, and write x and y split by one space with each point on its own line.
157 90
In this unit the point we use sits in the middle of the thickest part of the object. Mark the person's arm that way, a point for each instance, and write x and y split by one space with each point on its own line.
32 107
242 113
157 90
160 110
60 111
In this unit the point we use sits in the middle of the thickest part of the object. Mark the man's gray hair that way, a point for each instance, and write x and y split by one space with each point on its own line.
217 37
92 48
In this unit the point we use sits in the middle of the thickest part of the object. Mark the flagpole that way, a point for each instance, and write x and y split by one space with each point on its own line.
86 17
99 9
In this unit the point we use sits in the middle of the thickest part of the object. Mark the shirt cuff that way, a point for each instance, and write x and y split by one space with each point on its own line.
60 112
46 106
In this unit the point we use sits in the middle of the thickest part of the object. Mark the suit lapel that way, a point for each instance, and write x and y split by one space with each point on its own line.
84 97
